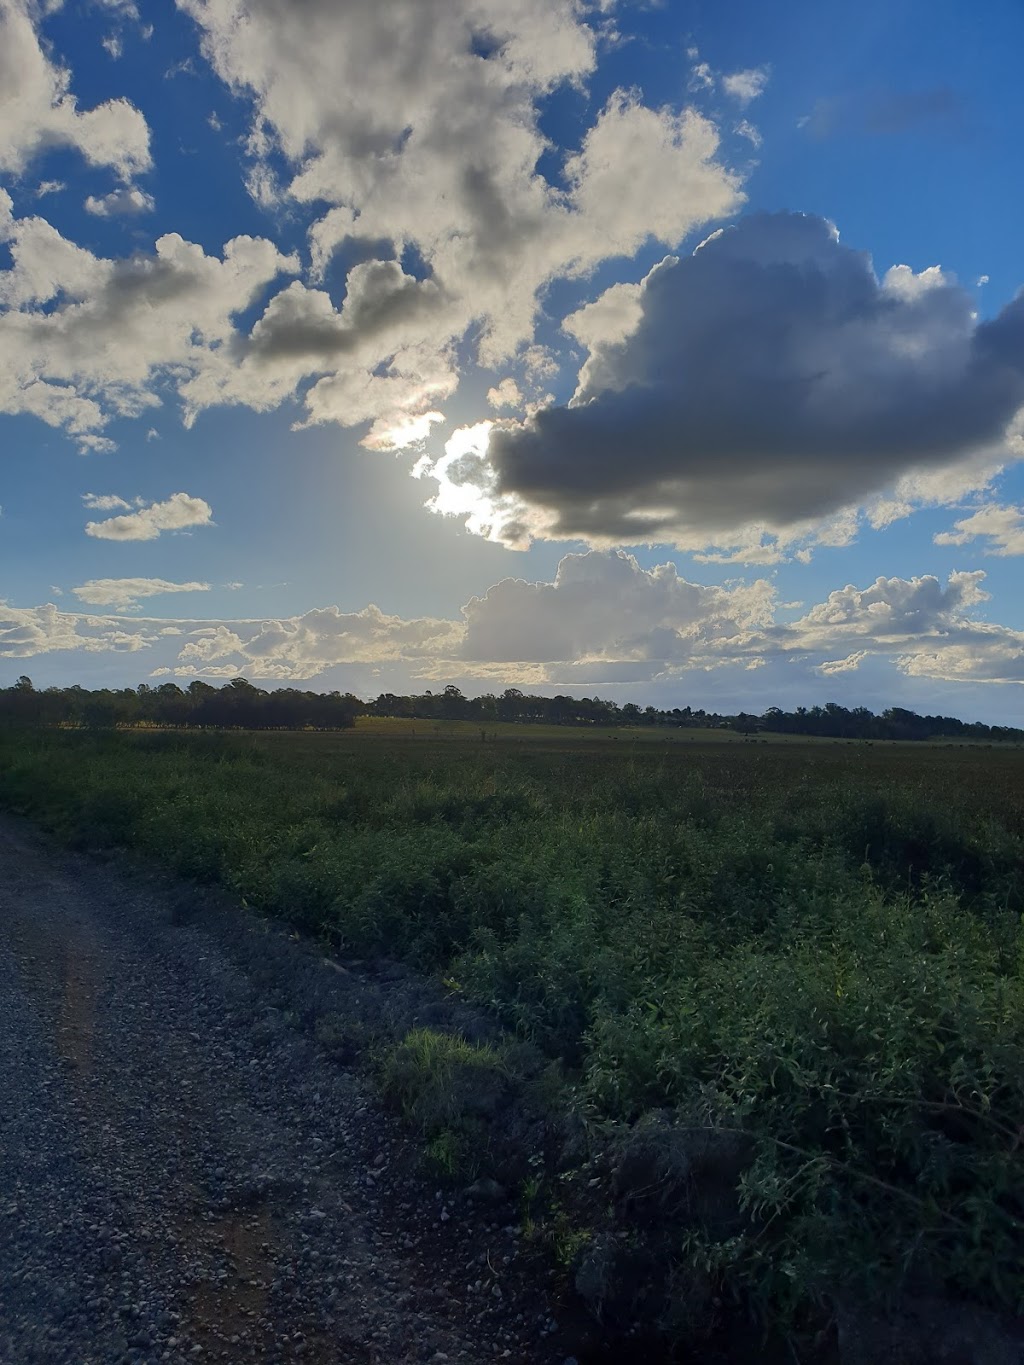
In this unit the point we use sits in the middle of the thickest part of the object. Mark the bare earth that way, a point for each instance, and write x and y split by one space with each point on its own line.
186 1175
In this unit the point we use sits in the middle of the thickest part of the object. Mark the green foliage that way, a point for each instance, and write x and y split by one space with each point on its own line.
787 983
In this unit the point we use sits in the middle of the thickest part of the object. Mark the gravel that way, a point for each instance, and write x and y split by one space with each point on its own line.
187 1175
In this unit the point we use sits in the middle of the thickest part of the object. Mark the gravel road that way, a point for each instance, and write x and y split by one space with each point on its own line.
184 1176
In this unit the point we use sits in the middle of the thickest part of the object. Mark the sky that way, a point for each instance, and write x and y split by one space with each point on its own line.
671 352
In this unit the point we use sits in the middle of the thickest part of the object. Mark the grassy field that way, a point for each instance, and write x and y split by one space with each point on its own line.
781 981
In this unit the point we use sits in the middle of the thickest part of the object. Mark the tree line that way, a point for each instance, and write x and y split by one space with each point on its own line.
235 705
240 704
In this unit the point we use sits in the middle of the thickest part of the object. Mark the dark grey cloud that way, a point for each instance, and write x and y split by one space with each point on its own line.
772 380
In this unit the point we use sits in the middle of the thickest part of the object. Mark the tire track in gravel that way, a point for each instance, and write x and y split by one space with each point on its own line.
182 1180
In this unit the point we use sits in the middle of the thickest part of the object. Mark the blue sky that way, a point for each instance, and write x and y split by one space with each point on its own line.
670 352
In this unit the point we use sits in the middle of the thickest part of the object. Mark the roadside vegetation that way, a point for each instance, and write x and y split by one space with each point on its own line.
773 994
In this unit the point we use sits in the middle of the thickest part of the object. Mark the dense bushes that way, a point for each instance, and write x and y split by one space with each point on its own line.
812 958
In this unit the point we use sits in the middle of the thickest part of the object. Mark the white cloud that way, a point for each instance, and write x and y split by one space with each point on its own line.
941 487
46 187
603 323
928 629
179 512
746 129
701 75
124 203
1002 528
745 86
507 394
104 502
771 386
113 45
38 110
830 667
539 362
895 607
125 593
85 339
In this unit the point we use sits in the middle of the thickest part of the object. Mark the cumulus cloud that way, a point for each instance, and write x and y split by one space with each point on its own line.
892 608
745 86
771 382
125 593
1001 529
507 394
607 607
84 339
928 628
124 203
39 111
605 321
179 512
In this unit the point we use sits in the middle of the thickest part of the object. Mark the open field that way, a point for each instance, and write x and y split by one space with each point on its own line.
547 735
780 984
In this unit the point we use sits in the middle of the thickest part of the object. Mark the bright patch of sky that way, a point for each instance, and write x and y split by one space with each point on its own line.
669 352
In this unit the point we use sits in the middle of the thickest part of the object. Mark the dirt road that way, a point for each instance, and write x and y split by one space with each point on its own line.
186 1175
